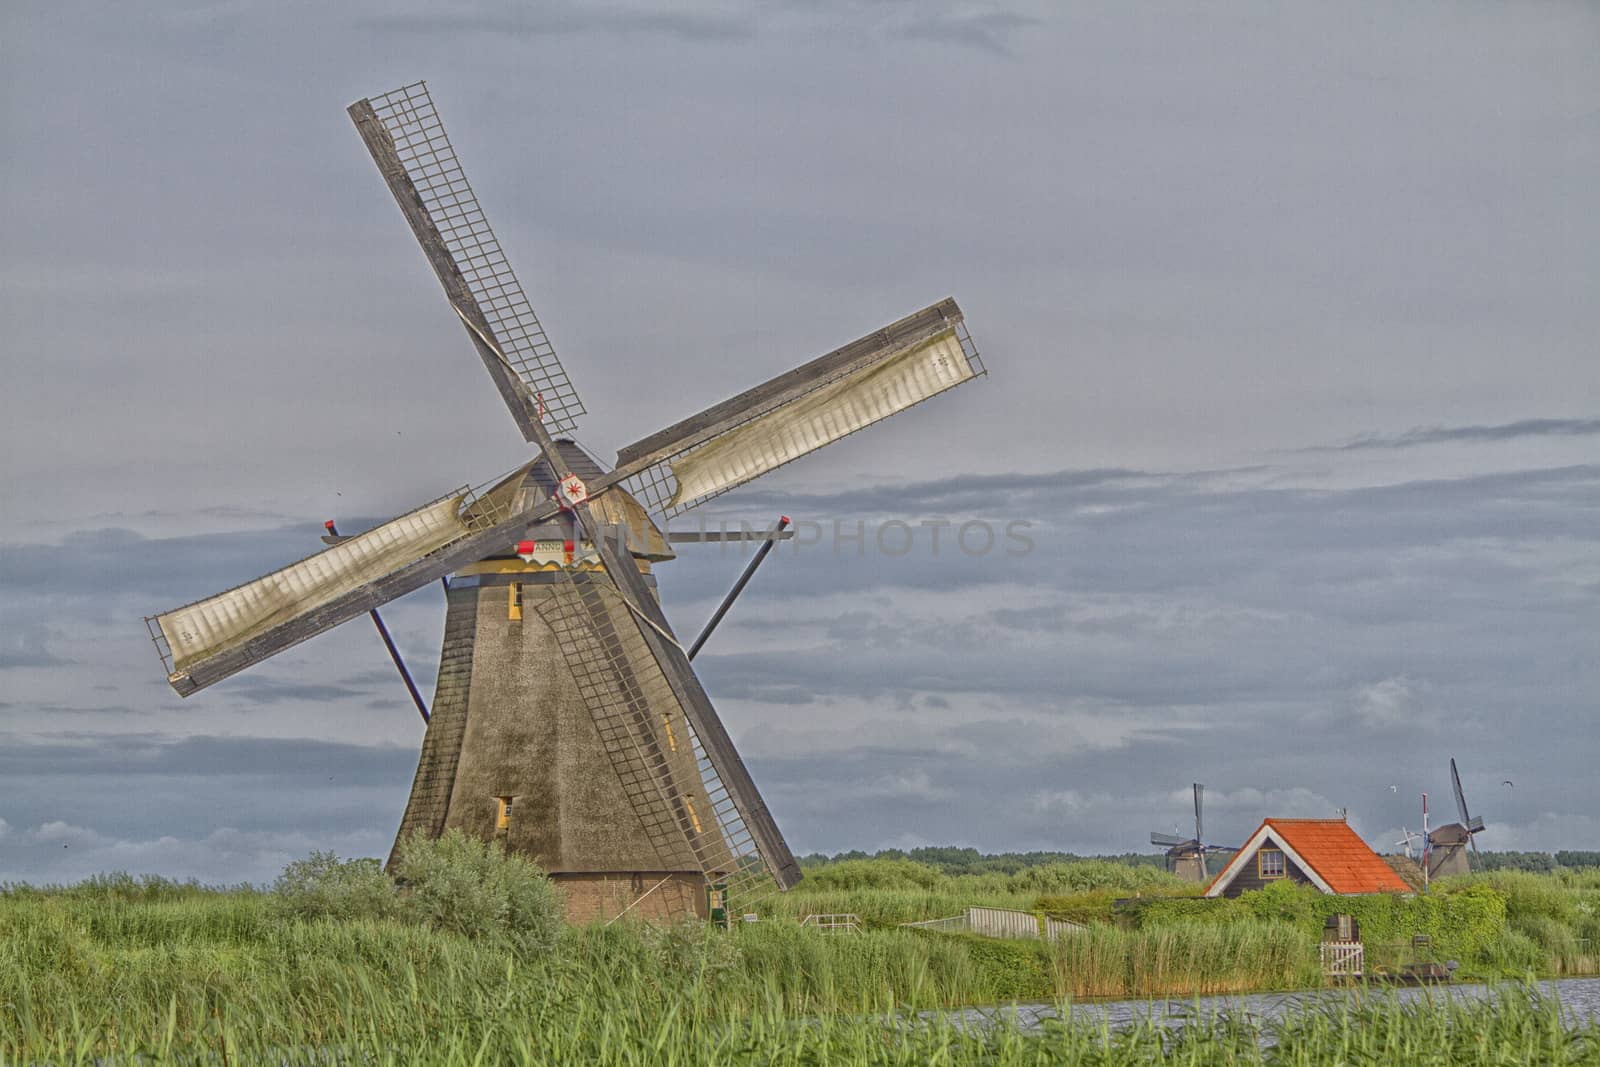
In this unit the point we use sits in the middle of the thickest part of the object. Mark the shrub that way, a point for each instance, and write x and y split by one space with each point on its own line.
1080 907
689 947
874 874
1088 875
1513 953
474 888
1161 910
1009 970
322 886
1526 895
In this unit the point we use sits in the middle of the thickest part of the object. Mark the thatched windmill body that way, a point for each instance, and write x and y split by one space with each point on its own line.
567 721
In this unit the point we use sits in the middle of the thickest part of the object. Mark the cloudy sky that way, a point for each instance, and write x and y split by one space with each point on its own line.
1290 316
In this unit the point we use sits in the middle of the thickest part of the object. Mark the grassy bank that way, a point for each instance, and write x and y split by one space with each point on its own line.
193 976
1150 933
471 956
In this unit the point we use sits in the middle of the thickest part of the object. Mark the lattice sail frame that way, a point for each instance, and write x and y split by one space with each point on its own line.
625 691
429 159
656 487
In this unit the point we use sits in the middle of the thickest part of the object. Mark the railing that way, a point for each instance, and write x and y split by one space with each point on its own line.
839 923
1342 959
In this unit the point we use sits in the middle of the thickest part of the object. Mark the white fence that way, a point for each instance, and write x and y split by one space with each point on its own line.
838 923
1342 959
1000 922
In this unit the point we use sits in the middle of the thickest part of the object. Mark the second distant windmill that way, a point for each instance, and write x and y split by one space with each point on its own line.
1186 857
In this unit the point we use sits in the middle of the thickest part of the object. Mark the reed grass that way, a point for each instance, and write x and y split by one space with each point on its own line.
147 971
885 907
622 1015
1182 960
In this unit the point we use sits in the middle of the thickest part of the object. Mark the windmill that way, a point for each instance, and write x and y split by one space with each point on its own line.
1447 846
1406 837
567 722
1186 857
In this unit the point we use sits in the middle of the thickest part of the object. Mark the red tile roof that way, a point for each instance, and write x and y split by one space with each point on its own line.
1338 855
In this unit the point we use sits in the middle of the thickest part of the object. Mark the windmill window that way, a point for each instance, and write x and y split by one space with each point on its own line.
1270 863
502 816
514 600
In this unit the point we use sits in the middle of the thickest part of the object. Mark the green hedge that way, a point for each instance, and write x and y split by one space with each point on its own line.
1461 923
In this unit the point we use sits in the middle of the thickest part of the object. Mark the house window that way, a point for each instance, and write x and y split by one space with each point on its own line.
514 604
502 813
1270 864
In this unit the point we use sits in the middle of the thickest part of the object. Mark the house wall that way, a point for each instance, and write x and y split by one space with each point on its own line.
1247 878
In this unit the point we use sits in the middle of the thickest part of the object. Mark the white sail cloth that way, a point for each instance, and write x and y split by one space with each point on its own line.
821 417
203 629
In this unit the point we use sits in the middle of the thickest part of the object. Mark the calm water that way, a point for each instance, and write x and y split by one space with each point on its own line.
1579 996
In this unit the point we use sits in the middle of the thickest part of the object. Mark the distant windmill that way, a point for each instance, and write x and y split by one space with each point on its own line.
1406 837
1447 846
1187 857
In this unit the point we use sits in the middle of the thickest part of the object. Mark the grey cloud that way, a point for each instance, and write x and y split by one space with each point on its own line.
27 647
223 809
989 31
288 760
260 690
161 572
1506 431
559 21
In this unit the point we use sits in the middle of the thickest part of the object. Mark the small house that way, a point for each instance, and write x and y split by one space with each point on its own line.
1325 853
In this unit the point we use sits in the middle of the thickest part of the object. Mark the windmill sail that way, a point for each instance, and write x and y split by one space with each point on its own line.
1472 823
210 639
799 412
403 132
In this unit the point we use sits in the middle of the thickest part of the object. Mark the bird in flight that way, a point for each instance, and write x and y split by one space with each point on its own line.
1507 781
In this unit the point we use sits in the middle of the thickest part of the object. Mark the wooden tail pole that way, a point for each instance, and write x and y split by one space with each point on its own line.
738 587
388 642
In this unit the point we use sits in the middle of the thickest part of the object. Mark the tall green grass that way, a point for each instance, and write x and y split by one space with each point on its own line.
608 1007
175 974
119 968
1188 959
